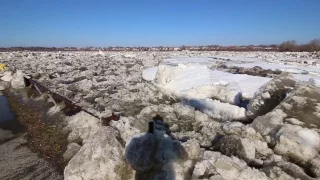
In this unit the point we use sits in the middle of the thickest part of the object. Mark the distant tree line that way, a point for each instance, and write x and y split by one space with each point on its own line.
287 46
292 46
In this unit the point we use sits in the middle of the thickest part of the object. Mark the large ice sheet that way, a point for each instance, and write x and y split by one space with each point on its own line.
182 79
149 74
273 66
187 60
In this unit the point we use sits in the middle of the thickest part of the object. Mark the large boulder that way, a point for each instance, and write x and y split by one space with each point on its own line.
72 150
270 95
101 157
214 165
82 126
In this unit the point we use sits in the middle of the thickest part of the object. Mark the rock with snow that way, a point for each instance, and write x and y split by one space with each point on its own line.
82 126
72 150
101 157
215 165
270 95
18 80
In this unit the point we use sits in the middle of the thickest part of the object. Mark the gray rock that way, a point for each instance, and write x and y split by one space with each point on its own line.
275 173
101 157
82 126
240 147
269 123
192 149
315 166
241 130
252 151
230 168
72 150
2 86
289 168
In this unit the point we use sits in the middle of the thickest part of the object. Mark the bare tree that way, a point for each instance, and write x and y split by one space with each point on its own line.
288 46
315 45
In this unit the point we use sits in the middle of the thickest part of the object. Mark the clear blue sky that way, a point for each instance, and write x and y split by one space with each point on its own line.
156 22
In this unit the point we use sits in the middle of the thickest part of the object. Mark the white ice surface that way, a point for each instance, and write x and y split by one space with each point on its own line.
183 79
277 66
187 60
309 138
307 77
149 74
219 110
240 59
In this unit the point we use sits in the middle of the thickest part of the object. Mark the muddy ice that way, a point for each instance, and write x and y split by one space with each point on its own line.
202 130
